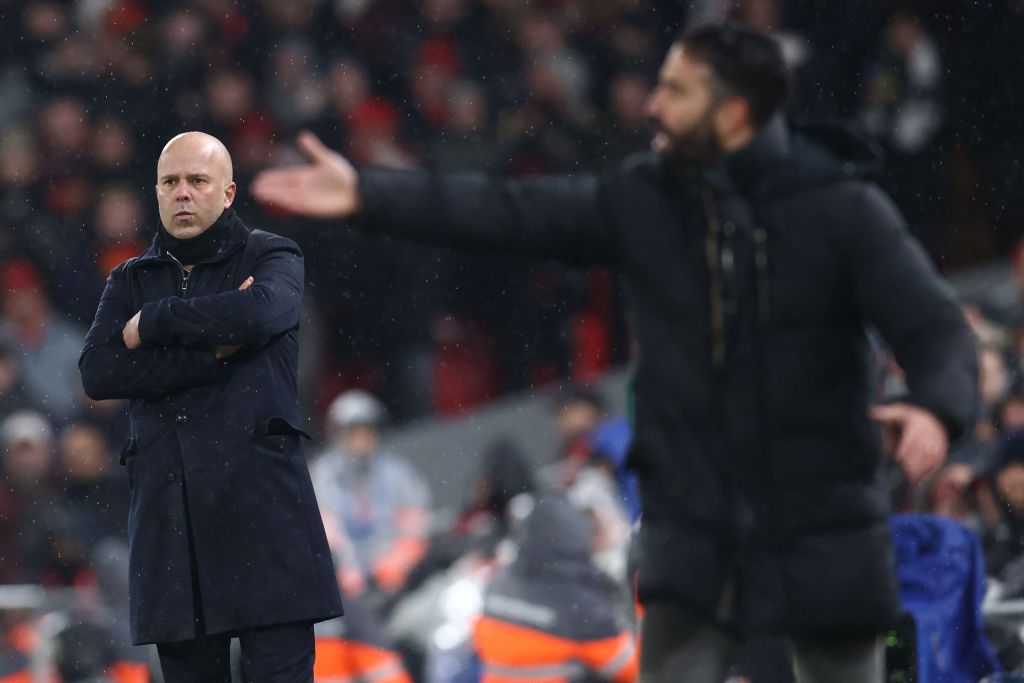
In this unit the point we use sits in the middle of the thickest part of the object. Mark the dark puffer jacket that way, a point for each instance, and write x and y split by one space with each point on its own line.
752 283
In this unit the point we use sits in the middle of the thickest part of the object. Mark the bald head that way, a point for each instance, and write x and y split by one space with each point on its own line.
197 143
193 183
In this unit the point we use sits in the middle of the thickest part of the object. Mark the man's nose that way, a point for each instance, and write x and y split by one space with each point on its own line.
652 105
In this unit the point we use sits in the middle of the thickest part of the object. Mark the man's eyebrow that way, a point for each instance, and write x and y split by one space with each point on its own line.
669 82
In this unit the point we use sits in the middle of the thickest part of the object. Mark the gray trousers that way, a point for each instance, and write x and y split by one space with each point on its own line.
677 647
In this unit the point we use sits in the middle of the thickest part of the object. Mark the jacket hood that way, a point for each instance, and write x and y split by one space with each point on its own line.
837 149
556 535
784 158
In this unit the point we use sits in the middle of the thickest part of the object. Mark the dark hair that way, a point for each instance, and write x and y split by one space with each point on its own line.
745 61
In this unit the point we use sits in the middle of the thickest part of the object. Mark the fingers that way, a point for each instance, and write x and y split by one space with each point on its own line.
280 187
310 146
130 332
247 284
921 451
888 414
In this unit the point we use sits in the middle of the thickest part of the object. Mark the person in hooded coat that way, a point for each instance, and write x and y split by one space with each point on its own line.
551 614
225 537
756 254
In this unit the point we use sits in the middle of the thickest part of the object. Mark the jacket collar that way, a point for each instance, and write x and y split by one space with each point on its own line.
235 239
752 168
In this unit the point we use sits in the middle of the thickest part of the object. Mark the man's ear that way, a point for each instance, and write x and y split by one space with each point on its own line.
731 117
229 194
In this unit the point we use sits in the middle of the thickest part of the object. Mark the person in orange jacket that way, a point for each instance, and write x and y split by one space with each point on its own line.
551 615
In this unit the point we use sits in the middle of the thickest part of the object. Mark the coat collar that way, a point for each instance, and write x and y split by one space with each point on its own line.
237 234
752 168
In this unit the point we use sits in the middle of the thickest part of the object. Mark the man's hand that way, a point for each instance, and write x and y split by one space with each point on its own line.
223 352
130 333
923 441
328 187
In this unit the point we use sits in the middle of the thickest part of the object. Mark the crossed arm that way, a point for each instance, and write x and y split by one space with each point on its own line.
181 342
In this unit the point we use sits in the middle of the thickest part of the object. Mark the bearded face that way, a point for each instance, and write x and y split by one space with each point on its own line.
681 110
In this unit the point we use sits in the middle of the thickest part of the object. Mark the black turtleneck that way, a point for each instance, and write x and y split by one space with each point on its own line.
204 245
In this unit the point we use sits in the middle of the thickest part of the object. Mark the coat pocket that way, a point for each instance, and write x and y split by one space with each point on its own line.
277 426
129 450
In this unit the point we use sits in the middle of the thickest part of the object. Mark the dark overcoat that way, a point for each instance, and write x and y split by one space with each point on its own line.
752 284
215 459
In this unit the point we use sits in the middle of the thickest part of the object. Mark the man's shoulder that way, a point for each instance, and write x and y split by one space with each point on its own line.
264 240
128 264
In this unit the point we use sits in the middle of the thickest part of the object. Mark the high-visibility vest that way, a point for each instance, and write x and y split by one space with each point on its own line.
346 661
129 672
510 653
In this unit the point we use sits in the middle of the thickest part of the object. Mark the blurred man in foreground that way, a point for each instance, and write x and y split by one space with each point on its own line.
756 254
224 533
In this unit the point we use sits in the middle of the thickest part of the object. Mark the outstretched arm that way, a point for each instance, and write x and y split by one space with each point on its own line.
561 217
246 316
110 370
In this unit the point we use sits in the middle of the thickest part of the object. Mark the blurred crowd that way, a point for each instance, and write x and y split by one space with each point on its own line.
91 90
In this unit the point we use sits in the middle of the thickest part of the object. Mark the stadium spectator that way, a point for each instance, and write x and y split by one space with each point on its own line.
904 108
379 501
1004 540
27 467
550 614
13 395
94 495
47 345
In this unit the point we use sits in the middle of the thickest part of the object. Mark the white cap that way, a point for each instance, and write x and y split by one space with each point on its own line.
26 425
356 407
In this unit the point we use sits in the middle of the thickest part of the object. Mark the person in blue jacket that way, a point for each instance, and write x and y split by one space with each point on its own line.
199 332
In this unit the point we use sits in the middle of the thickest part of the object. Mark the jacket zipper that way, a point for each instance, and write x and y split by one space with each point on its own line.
185 275
715 263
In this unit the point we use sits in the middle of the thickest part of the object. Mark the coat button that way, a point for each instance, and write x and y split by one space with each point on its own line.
181 418
171 476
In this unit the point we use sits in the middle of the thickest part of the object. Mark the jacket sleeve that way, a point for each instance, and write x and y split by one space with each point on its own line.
560 217
110 370
916 311
246 317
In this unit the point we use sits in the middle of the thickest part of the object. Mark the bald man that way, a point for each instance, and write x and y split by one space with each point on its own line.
199 333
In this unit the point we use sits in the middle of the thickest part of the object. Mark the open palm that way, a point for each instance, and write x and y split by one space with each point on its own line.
327 187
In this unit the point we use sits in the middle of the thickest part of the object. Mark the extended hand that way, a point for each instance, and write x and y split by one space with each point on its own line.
328 187
223 352
130 333
923 441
